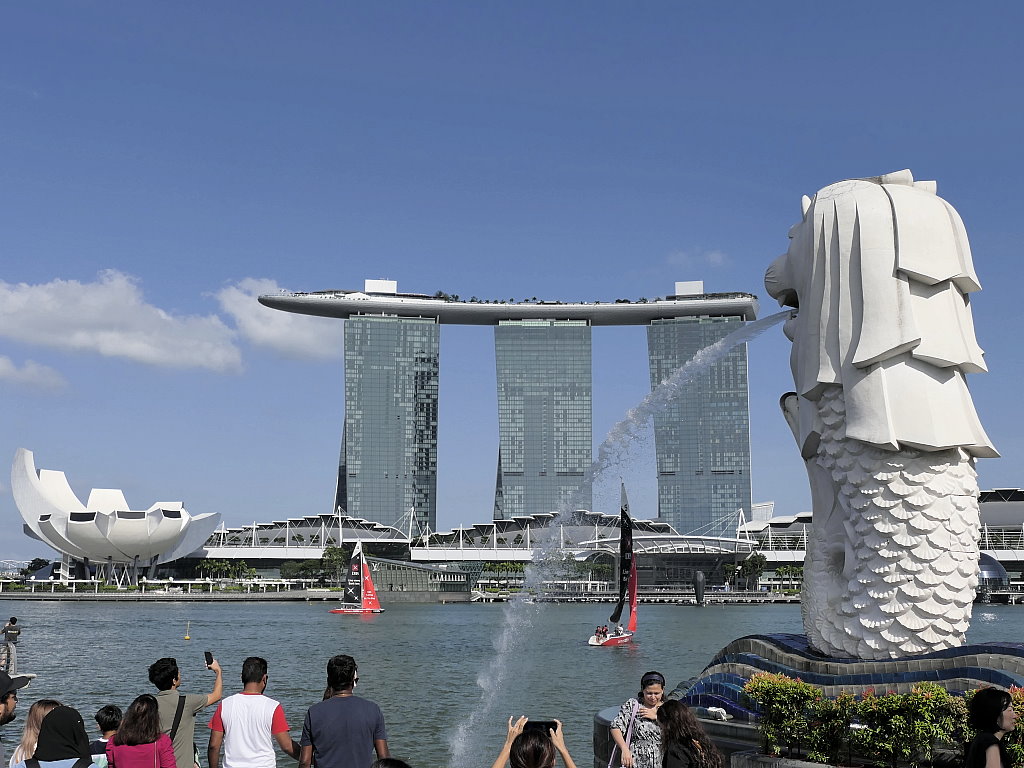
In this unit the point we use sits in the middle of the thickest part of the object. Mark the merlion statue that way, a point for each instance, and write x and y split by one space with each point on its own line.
879 271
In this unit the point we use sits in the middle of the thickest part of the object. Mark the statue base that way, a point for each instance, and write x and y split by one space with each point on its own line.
955 669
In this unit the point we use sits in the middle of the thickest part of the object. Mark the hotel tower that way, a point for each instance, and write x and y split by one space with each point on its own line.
388 462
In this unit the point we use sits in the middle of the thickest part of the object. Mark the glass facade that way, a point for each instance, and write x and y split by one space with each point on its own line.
390 576
544 416
388 460
702 438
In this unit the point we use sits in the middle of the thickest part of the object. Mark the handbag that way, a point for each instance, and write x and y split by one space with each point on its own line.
628 736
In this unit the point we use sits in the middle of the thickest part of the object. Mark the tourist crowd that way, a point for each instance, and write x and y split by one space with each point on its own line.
158 730
341 731
347 731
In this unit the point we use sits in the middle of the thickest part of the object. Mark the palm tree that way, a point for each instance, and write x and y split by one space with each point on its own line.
753 567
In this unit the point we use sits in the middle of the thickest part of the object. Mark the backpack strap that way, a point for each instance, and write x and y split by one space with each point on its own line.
177 718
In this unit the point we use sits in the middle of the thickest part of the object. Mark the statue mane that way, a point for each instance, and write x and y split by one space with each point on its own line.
881 271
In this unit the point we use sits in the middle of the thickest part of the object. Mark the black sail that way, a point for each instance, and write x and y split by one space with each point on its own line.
625 555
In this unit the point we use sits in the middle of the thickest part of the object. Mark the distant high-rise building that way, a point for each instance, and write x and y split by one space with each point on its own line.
702 439
543 355
388 462
545 430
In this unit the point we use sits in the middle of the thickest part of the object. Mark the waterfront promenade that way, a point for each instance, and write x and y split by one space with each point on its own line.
200 592
283 591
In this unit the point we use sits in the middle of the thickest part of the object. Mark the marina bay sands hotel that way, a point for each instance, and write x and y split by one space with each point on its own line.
388 461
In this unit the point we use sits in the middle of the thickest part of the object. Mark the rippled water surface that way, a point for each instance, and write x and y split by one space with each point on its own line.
421 663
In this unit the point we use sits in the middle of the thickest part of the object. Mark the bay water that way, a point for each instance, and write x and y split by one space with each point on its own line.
423 664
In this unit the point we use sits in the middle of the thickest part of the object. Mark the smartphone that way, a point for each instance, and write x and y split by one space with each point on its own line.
544 725
209 658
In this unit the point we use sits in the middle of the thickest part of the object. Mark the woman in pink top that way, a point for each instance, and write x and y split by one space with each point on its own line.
139 742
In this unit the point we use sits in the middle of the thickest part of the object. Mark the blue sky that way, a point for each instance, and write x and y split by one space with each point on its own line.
162 163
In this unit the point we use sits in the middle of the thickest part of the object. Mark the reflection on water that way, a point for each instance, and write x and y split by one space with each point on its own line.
421 663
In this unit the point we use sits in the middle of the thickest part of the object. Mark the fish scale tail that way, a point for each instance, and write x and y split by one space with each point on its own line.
906 578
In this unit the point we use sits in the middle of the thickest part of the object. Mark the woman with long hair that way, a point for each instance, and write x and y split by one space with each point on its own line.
683 740
533 747
62 741
30 735
139 742
991 713
635 729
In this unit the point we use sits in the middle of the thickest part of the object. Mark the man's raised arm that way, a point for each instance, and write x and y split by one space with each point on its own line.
218 685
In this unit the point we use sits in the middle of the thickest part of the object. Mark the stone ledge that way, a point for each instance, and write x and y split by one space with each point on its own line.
754 759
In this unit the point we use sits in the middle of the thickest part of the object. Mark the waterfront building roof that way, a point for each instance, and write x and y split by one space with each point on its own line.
450 310
583 532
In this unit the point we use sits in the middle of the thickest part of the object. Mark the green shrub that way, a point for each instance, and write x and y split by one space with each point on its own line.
829 726
904 727
891 728
783 702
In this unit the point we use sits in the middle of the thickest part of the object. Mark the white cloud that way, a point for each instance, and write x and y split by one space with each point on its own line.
297 336
698 257
110 317
32 375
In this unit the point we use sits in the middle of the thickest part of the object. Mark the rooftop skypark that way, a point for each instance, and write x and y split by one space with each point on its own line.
382 297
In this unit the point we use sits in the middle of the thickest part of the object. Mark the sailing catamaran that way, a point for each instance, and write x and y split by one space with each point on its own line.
360 596
627 584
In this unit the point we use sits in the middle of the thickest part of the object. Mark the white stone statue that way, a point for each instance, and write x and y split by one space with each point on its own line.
879 271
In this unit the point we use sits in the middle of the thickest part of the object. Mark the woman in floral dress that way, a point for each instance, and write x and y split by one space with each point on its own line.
635 729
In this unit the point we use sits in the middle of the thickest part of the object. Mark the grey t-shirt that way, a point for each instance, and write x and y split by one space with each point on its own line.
167 702
342 730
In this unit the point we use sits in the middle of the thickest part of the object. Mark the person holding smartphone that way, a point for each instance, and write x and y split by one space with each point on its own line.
178 710
529 747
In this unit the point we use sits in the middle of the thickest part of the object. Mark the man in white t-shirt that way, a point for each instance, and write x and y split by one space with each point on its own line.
249 723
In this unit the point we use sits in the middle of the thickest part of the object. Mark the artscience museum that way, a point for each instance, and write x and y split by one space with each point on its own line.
104 532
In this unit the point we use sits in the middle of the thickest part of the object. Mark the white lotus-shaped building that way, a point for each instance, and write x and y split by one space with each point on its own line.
105 529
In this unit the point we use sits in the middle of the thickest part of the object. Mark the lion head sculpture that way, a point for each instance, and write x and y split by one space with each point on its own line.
880 272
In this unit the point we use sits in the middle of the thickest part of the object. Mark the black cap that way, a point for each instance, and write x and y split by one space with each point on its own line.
8 684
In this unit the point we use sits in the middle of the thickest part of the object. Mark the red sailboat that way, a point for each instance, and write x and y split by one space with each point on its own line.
627 585
360 596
